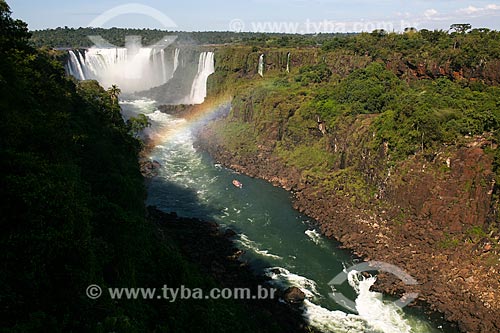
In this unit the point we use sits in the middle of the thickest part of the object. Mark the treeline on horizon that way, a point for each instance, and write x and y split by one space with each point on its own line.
409 39
73 214
78 37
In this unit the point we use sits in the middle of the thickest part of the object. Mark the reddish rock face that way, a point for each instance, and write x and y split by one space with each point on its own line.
455 198
489 73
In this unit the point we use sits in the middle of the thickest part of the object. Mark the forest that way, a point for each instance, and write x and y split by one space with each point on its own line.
78 38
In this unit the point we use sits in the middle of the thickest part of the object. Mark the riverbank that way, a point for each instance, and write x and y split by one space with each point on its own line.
456 278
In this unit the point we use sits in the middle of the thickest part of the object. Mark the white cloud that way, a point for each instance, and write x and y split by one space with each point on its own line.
493 7
479 11
470 10
430 12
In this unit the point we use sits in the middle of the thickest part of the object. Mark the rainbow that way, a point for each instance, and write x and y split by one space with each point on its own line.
195 116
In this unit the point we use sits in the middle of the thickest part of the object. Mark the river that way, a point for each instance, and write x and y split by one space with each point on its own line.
277 240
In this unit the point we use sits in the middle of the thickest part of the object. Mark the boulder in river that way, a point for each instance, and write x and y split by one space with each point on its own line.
294 295
149 169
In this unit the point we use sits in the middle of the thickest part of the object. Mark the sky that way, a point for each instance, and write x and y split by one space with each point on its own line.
291 16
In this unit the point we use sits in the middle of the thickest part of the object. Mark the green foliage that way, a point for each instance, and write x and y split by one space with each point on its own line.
240 137
137 124
462 48
476 234
461 28
433 112
370 104
304 157
78 38
368 90
351 183
114 92
313 74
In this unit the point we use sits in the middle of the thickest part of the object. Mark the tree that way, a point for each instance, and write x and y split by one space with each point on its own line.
379 33
137 124
461 28
114 92
411 30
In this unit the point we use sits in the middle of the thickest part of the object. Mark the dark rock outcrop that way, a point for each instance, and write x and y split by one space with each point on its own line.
294 295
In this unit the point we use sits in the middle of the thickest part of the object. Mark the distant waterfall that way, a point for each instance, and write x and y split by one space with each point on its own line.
288 62
176 60
132 70
206 67
261 65
163 67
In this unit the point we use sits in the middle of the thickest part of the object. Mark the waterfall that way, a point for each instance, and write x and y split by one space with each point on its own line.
75 67
288 62
176 60
163 67
146 71
261 65
206 67
133 69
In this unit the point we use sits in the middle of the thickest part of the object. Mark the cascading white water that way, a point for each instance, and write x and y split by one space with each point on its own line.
206 67
75 67
163 67
176 61
261 65
288 62
132 69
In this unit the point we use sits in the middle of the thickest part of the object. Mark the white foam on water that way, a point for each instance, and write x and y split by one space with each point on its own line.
283 278
145 104
165 126
332 321
314 236
374 314
381 316
249 244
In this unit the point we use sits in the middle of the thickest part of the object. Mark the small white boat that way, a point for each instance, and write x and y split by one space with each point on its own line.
237 184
